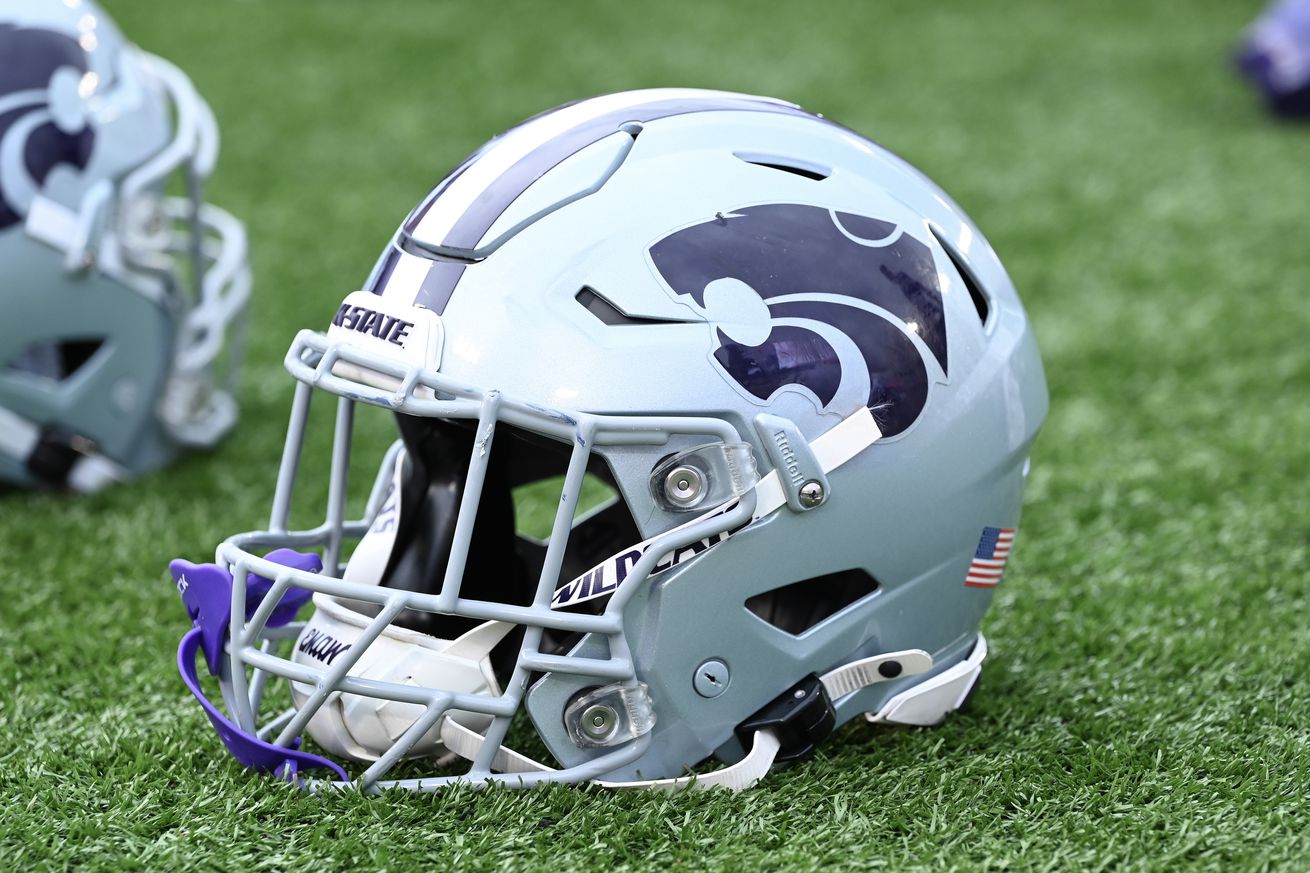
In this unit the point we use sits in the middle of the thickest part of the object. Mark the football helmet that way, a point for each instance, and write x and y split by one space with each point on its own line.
118 297
781 394
1275 55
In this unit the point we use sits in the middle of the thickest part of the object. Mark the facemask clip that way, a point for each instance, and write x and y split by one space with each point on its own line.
703 477
610 716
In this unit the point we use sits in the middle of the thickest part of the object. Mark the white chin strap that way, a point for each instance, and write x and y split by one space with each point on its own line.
939 695
834 447
928 702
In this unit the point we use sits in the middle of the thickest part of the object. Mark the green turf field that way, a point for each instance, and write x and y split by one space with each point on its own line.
1145 705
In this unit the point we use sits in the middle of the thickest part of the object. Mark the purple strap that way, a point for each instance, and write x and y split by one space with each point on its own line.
206 591
247 748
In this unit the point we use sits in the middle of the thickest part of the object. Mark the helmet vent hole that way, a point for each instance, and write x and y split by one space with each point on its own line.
797 607
794 166
608 313
980 301
59 361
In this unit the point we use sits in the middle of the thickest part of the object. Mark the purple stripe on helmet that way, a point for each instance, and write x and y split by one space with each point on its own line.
416 215
468 231
439 284
382 272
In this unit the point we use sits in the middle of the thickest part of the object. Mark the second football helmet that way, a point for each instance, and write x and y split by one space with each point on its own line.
799 369
1275 55
117 297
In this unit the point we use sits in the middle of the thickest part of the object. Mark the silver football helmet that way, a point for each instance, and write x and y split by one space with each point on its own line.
118 297
795 367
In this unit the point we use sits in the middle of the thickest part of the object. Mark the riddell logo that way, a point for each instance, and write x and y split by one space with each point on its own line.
364 320
788 457
321 646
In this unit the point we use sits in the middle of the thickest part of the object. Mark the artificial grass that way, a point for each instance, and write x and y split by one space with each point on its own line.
1145 703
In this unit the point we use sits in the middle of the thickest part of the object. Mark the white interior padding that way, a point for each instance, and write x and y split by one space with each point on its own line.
363 728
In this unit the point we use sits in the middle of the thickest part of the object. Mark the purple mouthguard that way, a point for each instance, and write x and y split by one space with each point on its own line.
206 591
247 748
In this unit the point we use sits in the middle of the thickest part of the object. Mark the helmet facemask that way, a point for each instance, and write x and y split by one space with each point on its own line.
442 607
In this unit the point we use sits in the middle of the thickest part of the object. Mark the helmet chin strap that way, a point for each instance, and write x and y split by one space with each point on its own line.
367 728
834 447
847 679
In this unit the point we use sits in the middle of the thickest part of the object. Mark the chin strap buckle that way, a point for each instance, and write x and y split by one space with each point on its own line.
55 454
801 718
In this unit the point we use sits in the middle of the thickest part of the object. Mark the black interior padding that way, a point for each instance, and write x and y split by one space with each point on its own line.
430 496
501 566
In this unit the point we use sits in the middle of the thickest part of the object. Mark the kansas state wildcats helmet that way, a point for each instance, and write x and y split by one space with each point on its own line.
116 298
780 394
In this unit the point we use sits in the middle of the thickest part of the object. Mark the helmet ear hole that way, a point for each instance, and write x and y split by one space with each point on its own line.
59 361
797 607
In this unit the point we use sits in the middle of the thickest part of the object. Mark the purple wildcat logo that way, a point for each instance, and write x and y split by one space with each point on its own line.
31 58
820 273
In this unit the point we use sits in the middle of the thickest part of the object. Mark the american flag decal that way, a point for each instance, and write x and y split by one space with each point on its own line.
989 561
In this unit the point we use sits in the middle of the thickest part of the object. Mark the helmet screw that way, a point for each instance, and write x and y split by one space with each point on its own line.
811 494
599 721
711 678
684 486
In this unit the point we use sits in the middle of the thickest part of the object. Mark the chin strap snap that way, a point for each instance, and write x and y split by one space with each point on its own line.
54 458
787 729
928 702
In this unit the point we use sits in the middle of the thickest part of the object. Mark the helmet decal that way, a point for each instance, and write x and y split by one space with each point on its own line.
33 57
823 276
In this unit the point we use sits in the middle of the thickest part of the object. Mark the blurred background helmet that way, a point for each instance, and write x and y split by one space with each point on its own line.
796 375
121 288
1275 55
